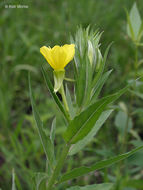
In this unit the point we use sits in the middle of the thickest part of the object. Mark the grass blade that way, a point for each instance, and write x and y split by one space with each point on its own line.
13 180
103 186
45 141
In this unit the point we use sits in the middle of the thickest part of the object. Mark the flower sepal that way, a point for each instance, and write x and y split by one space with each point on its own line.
58 79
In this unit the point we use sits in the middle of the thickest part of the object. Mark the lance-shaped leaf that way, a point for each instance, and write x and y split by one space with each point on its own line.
81 82
45 140
100 84
103 186
39 181
53 94
70 103
99 165
53 129
134 22
82 143
83 123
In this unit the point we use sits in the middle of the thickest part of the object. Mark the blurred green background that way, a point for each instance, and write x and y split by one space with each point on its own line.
49 22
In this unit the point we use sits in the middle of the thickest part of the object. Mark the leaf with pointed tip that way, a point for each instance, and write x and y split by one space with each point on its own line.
103 186
101 68
82 143
130 31
81 82
39 180
45 141
100 84
88 84
53 129
82 124
70 104
134 22
77 172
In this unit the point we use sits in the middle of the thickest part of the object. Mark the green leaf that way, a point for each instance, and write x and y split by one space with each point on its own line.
17 182
135 183
140 34
140 95
100 84
52 138
122 120
82 143
53 129
101 68
87 58
39 180
81 82
53 94
136 160
88 84
130 31
82 124
134 22
70 104
45 140
99 165
104 186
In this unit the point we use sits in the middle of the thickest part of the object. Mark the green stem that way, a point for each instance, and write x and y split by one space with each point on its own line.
58 167
62 92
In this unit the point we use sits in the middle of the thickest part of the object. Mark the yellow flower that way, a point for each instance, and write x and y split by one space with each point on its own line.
58 56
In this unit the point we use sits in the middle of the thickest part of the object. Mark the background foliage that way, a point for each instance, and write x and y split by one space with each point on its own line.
22 33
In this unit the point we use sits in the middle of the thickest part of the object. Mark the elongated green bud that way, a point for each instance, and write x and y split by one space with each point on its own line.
90 52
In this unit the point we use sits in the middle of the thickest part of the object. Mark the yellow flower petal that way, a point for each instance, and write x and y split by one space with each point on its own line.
59 56
46 52
71 51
